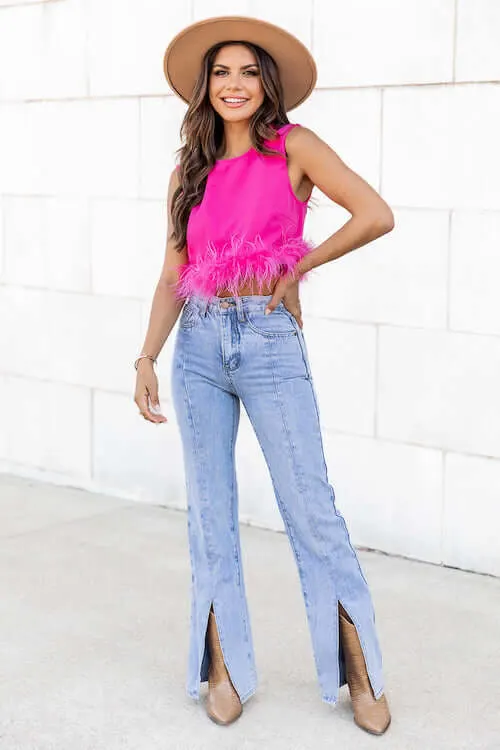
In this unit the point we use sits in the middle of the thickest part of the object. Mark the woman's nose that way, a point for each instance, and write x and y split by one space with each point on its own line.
234 82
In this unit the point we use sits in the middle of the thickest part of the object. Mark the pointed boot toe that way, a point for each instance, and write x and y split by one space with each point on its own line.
223 703
373 717
370 713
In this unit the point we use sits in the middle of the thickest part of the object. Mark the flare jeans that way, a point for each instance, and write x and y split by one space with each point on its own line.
227 351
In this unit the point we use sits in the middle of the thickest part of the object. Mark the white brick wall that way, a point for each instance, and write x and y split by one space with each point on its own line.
87 147
440 389
470 525
403 334
401 278
45 425
440 146
350 122
46 243
362 43
478 51
342 357
160 120
390 494
133 457
129 264
126 42
474 272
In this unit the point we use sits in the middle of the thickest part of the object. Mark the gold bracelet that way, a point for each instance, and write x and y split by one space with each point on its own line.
144 356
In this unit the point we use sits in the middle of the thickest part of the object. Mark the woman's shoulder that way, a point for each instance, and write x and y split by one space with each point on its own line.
278 142
283 130
301 137
292 135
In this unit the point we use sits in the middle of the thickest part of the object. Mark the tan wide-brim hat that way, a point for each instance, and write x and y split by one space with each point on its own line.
184 55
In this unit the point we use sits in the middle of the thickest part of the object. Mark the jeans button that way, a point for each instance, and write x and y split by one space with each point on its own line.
225 305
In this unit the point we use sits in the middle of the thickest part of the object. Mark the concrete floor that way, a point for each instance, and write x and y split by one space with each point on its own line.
93 639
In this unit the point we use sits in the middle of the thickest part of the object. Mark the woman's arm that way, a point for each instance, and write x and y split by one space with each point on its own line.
165 310
371 216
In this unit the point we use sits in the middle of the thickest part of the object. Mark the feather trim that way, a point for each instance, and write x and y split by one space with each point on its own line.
238 263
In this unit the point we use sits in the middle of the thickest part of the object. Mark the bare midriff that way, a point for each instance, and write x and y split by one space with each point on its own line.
249 289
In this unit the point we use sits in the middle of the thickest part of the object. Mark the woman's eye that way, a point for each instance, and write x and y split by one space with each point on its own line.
219 73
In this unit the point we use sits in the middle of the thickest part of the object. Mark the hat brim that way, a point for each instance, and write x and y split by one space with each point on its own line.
184 55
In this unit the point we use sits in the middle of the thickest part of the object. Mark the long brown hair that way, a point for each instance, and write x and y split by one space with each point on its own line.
202 132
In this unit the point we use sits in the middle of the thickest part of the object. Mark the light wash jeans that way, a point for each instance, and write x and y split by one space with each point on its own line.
227 351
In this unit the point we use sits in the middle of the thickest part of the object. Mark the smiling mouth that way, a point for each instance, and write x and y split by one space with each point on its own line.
233 100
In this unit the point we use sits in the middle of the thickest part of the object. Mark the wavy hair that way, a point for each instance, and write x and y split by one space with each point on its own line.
202 133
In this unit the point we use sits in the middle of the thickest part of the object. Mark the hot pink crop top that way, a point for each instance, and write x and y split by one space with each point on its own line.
248 226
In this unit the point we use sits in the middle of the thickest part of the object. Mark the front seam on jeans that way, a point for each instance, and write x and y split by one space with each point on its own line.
235 523
289 440
201 650
324 557
341 518
213 597
288 524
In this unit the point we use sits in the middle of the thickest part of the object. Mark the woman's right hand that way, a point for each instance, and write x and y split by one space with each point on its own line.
146 392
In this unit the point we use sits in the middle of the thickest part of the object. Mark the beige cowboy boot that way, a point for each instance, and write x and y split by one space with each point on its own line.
223 704
370 713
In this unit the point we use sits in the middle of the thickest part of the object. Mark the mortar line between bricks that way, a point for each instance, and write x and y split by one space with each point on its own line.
28 2
448 271
443 506
76 292
3 236
86 48
376 384
381 142
339 88
311 27
454 43
54 381
333 433
91 435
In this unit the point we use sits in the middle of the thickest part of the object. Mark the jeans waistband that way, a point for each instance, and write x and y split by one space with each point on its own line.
250 303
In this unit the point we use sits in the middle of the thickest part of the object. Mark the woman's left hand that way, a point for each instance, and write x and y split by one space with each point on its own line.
287 290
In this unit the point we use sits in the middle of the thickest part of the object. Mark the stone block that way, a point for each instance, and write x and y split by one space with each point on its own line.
478 32
45 425
439 389
127 41
343 358
362 43
128 246
472 513
399 278
474 272
389 494
47 243
440 147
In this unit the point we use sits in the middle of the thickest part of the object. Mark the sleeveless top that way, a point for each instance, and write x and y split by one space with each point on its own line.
248 226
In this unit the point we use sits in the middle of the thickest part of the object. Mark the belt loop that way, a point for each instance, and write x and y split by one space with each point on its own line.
239 308
205 305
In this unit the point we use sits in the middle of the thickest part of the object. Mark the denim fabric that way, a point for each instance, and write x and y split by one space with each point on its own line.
226 352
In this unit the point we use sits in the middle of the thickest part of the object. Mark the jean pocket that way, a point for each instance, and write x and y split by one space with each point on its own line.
278 323
189 316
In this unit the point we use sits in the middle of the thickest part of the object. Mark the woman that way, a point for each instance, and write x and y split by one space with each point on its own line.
236 208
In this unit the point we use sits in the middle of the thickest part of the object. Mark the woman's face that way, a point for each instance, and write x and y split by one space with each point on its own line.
235 85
